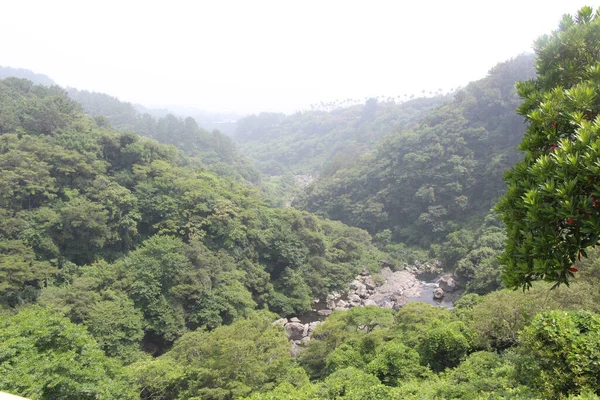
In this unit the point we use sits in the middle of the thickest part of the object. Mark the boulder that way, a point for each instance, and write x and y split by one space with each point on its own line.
356 285
281 321
386 304
369 302
362 292
312 326
294 350
341 309
447 283
324 312
295 330
342 304
438 293
354 297
370 284
295 319
304 341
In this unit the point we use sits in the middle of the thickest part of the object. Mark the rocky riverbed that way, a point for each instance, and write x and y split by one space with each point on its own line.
391 289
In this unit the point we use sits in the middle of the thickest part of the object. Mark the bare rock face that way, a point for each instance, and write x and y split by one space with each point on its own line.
295 330
438 293
447 283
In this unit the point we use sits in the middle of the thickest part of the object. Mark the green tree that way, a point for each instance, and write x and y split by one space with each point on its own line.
561 353
551 205
43 355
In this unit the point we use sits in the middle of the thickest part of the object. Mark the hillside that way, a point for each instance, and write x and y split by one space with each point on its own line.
213 149
444 173
39 79
141 258
319 142
90 216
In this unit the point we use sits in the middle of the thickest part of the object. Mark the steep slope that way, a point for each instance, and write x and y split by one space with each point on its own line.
446 172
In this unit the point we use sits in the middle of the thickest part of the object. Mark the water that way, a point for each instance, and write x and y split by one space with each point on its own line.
427 296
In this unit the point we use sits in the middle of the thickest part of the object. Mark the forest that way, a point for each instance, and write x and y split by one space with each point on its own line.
145 256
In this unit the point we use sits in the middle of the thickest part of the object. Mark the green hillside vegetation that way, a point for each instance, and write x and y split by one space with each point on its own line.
320 142
101 224
425 182
132 270
214 150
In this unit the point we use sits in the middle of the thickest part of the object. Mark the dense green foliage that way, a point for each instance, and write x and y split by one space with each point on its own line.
112 230
550 207
214 150
320 142
46 356
129 269
425 182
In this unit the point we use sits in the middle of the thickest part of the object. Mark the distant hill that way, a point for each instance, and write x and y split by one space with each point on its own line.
38 79
213 149
317 142
424 182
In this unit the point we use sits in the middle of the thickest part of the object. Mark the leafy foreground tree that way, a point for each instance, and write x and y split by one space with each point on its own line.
228 362
551 207
43 355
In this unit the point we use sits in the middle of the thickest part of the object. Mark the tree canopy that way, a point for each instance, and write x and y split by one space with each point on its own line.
551 205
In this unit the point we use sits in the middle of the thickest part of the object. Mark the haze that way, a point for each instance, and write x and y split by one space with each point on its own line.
251 56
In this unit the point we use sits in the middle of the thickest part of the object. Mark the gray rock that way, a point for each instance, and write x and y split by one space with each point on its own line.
294 330
362 292
294 350
281 321
369 284
386 304
354 297
324 312
342 303
447 283
312 326
305 331
356 285
438 293
369 302
295 319
341 309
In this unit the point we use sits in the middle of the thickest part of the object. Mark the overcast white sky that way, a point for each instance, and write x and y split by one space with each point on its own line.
251 56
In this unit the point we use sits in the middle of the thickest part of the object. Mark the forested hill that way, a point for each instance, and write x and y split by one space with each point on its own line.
92 219
213 149
317 142
40 79
444 173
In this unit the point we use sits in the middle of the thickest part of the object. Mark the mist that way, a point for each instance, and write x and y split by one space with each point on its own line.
247 57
